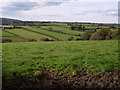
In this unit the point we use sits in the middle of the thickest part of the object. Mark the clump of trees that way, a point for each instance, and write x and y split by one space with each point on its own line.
100 35
78 28
87 34
103 34
115 35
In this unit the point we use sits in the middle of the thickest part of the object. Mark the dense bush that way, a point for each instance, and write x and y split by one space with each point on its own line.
77 39
45 39
78 28
105 34
113 35
100 35
86 35
32 40
112 27
70 38
6 40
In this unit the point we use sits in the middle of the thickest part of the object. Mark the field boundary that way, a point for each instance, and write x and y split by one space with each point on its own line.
59 32
42 34
15 34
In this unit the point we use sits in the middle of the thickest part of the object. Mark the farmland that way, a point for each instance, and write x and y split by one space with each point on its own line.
53 54
64 58
30 35
64 30
54 34
5 34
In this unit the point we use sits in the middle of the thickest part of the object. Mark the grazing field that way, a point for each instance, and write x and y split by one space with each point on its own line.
64 63
77 58
54 34
65 30
14 39
5 34
92 55
27 34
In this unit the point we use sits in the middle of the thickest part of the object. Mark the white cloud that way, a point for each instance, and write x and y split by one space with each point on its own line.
67 10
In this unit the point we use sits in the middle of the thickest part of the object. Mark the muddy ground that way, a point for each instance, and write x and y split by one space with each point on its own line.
49 79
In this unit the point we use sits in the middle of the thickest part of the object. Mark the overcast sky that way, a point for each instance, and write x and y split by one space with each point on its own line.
61 10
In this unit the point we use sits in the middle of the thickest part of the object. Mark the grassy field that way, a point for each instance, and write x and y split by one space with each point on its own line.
54 34
19 58
65 30
5 34
14 39
27 34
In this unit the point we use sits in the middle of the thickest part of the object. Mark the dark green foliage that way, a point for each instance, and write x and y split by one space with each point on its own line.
32 40
87 35
72 27
70 38
6 40
78 39
100 35
78 28
50 28
113 35
105 34
112 27
45 39
116 35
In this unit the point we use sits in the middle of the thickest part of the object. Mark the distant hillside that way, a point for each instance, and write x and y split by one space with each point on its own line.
9 20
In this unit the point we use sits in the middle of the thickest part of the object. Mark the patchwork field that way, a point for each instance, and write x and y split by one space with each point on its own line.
62 55
59 36
27 34
6 34
64 30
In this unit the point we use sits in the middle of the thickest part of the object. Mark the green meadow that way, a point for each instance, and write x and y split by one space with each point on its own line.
21 57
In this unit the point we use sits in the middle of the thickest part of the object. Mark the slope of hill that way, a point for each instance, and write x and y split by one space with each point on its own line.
9 20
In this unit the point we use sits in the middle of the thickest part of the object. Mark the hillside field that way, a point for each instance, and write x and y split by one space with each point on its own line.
63 58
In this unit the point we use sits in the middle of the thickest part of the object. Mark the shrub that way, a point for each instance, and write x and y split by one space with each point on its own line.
86 35
112 27
109 36
6 40
70 38
45 39
50 28
77 39
32 40
116 35
100 35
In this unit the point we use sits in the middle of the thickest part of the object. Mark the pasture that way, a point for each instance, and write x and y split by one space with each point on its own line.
53 34
27 34
66 60
92 55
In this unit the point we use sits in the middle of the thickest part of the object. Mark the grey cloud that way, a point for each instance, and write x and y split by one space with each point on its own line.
15 7
52 3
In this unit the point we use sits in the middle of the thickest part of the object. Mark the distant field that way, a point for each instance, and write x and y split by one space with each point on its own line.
5 34
27 34
54 34
93 55
14 39
65 30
